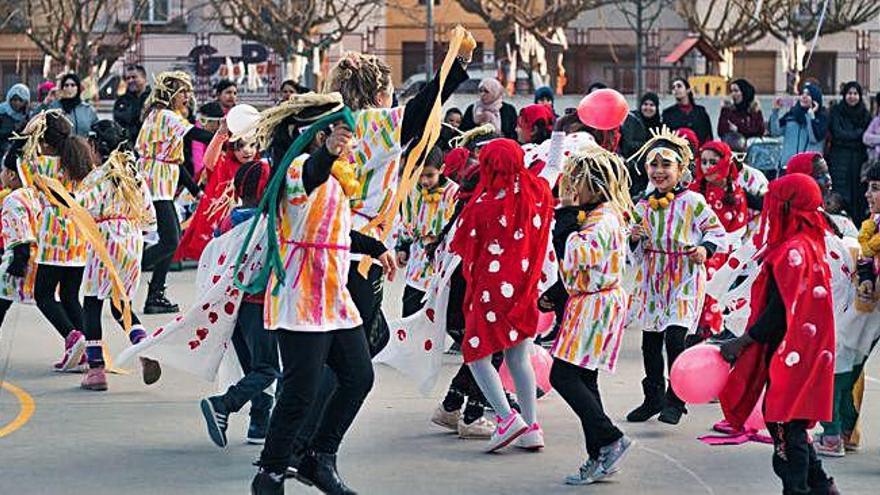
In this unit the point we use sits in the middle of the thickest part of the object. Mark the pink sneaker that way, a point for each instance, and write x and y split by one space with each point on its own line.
74 352
724 427
532 439
506 431
95 379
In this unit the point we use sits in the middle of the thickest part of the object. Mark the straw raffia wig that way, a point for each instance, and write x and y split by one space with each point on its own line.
668 145
601 172
166 86
302 110
359 78
476 136
121 169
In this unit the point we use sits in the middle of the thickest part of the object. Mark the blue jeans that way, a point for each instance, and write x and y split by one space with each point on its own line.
257 352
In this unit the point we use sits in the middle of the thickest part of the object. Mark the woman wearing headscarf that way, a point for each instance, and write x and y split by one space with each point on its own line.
849 120
871 137
14 112
81 114
491 109
742 114
803 127
686 113
649 112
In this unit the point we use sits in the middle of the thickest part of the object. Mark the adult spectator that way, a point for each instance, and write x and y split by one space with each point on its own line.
686 113
491 109
13 112
742 113
849 121
226 93
128 111
871 138
81 114
289 88
649 112
804 125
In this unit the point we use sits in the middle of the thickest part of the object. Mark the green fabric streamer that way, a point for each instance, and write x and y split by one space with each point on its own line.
269 207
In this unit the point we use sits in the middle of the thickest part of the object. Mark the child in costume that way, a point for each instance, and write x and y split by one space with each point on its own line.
222 160
19 214
52 150
789 345
160 146
314 319
503 238
717 180
675 232
255 347
424 213
590 242
116 196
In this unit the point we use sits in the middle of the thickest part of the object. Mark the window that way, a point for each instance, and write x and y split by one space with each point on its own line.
152 11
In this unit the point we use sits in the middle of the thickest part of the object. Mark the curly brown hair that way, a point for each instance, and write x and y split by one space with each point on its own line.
359 78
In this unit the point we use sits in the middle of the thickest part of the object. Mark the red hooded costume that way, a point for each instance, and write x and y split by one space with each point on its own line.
502 239
801 163
800 372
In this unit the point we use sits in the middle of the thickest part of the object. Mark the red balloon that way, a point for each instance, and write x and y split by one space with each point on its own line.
699 374
603 109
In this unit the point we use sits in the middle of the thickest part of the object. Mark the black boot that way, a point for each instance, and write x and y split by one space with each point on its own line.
157 303
266 483
673 409
319 469
652 405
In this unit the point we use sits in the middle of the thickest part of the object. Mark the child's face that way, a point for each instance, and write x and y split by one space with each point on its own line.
245 152
587 197
429 178
9 179
821 175
523 135
664 173
873 196
454 119
708 159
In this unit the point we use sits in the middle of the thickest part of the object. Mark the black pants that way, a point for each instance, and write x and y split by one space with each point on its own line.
795 461
158 257
258 355
579 388
652 354
65 315
412 300
303 356
4 307
367 296
92 308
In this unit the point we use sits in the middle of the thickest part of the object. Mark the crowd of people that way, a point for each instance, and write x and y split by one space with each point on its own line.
498 215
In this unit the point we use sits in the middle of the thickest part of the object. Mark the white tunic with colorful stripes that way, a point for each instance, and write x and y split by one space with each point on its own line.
123 236
595 314
377 163
423 215
20 213
58 240
315 248
670 287
160 147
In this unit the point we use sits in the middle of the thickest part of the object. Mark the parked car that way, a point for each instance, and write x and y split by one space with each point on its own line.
416 82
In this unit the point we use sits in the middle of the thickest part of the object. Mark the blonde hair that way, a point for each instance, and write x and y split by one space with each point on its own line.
359 78
166 86
600 172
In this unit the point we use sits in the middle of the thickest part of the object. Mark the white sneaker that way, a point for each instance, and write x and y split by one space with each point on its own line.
589 473
446 419
507 430
481 429
532 439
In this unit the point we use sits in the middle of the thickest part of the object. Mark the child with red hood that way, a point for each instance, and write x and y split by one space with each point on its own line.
789 345
503 238
716 179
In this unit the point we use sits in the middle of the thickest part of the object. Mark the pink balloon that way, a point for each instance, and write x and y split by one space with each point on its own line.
699 374
541 360
603 109
755 421
545 322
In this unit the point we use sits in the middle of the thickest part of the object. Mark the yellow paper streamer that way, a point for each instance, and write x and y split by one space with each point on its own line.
85 224
429 137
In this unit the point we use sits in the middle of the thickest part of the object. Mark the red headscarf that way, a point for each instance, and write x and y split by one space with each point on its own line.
802 163
728 202
454 163
724 168
502 239
691 136
536 114
804 360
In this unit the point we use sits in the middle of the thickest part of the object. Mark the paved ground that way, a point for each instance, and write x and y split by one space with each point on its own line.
139 440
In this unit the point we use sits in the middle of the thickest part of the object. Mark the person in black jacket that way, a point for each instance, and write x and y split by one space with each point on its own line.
491 109
129 108
686 113
849 120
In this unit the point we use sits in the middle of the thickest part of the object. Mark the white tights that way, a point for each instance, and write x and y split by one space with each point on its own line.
520 365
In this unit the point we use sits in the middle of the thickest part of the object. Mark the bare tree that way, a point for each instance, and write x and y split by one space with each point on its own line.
81 34
293 27
727 23
642 16
800 18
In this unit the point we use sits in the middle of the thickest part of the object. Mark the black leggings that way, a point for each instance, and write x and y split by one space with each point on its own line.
5 304
795 461
367 296
65 315
159 256
303 356
92 307
579 388
652 354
